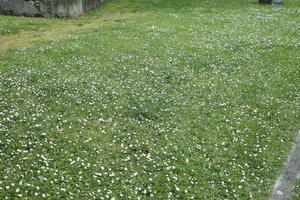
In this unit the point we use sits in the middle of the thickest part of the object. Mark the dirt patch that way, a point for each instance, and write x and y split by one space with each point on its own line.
57 31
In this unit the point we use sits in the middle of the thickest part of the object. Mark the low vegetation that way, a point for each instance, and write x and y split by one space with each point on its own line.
193 99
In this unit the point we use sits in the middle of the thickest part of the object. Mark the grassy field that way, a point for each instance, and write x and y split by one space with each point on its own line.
151 99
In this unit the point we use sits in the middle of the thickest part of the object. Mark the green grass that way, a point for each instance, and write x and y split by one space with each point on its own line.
195 100
14 25
297 191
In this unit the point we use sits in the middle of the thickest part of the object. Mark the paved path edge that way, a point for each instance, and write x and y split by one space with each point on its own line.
285 183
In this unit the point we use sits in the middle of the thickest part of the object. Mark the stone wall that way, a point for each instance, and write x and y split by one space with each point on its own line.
47 8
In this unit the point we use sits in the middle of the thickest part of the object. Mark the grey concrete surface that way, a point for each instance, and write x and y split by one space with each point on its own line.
284 186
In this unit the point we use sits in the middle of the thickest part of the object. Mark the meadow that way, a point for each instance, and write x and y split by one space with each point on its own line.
149 99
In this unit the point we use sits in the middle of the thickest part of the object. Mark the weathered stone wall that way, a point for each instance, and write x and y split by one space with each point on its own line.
47 8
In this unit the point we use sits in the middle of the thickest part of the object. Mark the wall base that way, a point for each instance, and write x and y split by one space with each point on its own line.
47 8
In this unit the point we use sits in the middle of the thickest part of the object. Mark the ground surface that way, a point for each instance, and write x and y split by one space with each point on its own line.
148 99
285 187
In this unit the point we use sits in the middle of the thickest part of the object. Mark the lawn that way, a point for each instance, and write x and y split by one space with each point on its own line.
160 99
